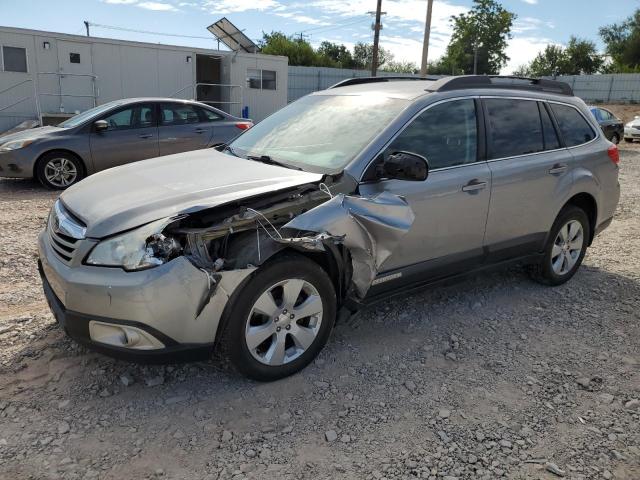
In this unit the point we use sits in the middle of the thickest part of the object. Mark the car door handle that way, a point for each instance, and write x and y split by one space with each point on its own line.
201 130
474 186
146 135
557 168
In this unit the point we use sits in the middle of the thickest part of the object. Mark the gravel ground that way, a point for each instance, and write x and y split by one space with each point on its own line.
492 377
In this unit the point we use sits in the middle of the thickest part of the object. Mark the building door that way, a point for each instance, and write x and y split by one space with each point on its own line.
75 66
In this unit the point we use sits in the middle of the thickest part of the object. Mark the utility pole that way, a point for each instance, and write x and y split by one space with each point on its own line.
475 59
425 44
86 25
376 39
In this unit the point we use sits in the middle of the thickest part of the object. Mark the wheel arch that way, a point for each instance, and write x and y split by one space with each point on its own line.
587 203
40 158
329 261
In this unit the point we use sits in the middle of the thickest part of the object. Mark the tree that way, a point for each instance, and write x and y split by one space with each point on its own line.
299 51
622 42
484 32
336 54
363 56
578 57
551 61
400 67
582 57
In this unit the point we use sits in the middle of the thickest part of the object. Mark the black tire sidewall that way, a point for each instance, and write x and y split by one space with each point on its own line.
45 159
241 302
568 214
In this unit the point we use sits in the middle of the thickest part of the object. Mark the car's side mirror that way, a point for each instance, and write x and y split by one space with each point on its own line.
404 166
100 125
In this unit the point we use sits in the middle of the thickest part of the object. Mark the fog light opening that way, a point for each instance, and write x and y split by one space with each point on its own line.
123 336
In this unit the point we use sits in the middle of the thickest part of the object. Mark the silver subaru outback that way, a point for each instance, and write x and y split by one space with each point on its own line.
342 198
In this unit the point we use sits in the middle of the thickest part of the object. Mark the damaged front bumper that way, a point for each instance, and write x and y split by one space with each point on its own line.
153 314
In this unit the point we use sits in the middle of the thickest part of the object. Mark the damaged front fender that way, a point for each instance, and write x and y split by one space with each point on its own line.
357 234
370 228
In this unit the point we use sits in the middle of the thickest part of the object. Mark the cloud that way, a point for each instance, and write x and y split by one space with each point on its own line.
522 50
157 6
531 2
120 2
403 16
300 18
235 6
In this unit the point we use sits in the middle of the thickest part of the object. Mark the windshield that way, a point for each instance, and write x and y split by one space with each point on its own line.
87 115
319 133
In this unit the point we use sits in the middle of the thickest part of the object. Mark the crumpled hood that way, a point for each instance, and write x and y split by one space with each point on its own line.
30 133
125 197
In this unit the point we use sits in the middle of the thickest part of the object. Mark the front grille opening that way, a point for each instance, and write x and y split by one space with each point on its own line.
66 238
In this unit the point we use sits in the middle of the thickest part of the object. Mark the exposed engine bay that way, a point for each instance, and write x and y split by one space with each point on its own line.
351 236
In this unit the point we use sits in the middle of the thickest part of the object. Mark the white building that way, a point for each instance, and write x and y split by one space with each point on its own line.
44 75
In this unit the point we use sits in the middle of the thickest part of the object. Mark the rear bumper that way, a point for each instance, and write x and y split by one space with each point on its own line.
77 326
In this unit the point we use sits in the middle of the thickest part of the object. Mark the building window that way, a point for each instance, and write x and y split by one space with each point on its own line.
261 79
14 59
268 79
74 57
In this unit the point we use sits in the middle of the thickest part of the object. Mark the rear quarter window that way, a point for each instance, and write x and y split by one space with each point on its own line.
574 128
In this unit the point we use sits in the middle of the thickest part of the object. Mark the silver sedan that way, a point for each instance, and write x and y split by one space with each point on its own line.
113 134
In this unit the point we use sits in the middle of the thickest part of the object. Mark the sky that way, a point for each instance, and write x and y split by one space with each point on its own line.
538 23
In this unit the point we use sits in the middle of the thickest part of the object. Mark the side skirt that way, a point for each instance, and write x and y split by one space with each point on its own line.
415 285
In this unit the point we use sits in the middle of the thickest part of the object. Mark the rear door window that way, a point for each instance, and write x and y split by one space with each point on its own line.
178 114
515 127
574 128
605 114
209 115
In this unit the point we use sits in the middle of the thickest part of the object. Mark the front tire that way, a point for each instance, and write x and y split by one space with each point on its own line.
565 248
59 170
280 320
628 140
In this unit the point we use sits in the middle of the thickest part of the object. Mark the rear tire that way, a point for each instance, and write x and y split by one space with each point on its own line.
615 138
59 170
565 248
280 319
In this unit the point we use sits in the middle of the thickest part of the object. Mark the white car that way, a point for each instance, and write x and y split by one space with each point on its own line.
632 129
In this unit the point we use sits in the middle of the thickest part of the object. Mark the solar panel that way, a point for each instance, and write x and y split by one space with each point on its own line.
231 36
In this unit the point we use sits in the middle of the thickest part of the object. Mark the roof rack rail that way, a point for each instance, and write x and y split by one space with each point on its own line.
500 81
361 80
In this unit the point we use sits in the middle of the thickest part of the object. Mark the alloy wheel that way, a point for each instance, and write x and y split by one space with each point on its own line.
567 247
284 322
60 172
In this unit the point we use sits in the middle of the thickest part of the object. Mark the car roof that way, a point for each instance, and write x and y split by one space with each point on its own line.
408 90
125 101
412 88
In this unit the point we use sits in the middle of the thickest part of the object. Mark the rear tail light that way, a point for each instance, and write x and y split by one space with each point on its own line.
244 125
614 154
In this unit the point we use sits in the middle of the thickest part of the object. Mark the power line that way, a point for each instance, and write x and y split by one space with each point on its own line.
326 28
148 32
